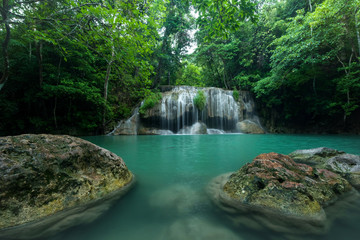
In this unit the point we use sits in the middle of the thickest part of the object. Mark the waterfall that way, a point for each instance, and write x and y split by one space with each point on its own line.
177 113
177 110
127 127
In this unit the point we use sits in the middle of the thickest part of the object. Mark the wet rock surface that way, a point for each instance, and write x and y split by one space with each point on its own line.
275 192
154 131
45 179
248 126
347 165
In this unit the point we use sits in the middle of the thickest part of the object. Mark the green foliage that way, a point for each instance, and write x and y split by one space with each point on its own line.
174 41
191 75
150 101
236 94
77 65
221 17
65 54
200 100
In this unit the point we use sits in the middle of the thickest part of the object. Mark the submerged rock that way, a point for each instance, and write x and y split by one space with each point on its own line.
279 194
248 126
48 183
197 228
347 165
179 199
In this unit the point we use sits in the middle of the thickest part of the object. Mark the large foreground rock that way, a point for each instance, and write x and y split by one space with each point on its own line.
279 194
347 165
48 183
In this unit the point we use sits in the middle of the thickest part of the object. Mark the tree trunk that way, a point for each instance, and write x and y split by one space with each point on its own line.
106 85
348 102
39 47
55 102
30 51
357 30
311 32
310 6
314 85
4 13
54 113
169 83
224 76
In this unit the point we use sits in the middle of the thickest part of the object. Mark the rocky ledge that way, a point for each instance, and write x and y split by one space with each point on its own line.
276 192
48 183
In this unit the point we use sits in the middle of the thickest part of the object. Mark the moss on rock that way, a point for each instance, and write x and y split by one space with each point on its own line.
273 191
275 181
42 175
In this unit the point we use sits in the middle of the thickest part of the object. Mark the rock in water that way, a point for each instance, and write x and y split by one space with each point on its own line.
248 126
290 196
347 165
199 128
315 156
177 199
47 182
197 228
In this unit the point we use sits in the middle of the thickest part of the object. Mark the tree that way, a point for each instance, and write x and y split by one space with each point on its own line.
174 42
221 17
84 48
315 46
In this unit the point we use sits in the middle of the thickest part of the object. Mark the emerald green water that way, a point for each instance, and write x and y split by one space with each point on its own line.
169 200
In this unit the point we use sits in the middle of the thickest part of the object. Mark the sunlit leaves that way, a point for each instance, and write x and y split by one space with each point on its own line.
221 17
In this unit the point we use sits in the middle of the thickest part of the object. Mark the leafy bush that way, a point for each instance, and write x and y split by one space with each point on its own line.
150 101
236 94
200 100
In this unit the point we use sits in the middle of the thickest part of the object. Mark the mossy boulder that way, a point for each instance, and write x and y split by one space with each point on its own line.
347 165
199 128
248 126
45 179
275 186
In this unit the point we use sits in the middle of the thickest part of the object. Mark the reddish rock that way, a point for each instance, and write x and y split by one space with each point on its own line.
279 193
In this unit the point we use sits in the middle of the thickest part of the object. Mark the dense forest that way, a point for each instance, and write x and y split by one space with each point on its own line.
77 67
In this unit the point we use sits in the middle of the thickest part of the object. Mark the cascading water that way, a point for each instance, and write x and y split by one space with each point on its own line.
177 112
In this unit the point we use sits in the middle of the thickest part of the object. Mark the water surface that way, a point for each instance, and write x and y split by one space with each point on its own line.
169 201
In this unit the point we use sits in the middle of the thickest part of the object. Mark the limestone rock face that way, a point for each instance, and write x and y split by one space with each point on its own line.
275 186
347 165
44 177
248 126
